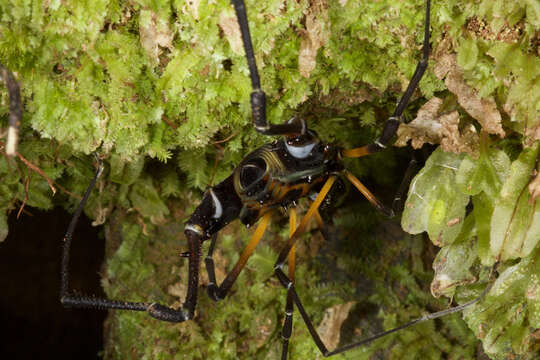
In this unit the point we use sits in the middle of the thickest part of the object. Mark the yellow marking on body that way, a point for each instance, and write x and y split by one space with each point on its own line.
285 189
273 162
311 211
305 187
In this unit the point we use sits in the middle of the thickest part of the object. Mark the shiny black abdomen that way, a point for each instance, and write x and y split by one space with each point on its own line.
268 178
271 177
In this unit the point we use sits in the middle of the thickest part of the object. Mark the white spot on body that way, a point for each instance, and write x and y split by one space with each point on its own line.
300 152
193 228
217 206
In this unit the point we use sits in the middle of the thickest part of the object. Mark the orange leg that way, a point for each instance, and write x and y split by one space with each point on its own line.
371 198
356 152
321 225
218 293
292 253
305 220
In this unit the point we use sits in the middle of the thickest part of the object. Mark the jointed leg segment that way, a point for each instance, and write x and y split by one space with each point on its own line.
258 96
217 293
371 198
392 123
288 283
322 226
289 306
158 311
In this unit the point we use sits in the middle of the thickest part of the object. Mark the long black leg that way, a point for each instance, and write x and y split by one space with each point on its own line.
158 311
211 270
399 198
286 331
258 96
287 325
291 292
392 123
288 284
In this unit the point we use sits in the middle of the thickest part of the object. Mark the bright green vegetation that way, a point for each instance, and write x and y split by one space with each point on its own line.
160 91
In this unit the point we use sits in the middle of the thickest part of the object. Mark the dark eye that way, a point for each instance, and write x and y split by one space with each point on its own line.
252 171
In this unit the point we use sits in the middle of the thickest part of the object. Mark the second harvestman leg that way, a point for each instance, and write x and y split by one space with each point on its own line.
69 298
289 306
258 96
392 123
216 292
288 284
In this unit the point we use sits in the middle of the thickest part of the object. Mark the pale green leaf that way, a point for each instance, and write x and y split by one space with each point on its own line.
434 203
486 173
503 319
483 209
515 224
533 12
467 54
453 264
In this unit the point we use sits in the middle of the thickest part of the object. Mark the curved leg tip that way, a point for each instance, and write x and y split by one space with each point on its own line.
164 313
213 292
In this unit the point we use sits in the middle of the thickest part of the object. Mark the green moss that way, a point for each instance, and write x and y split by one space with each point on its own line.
155 87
